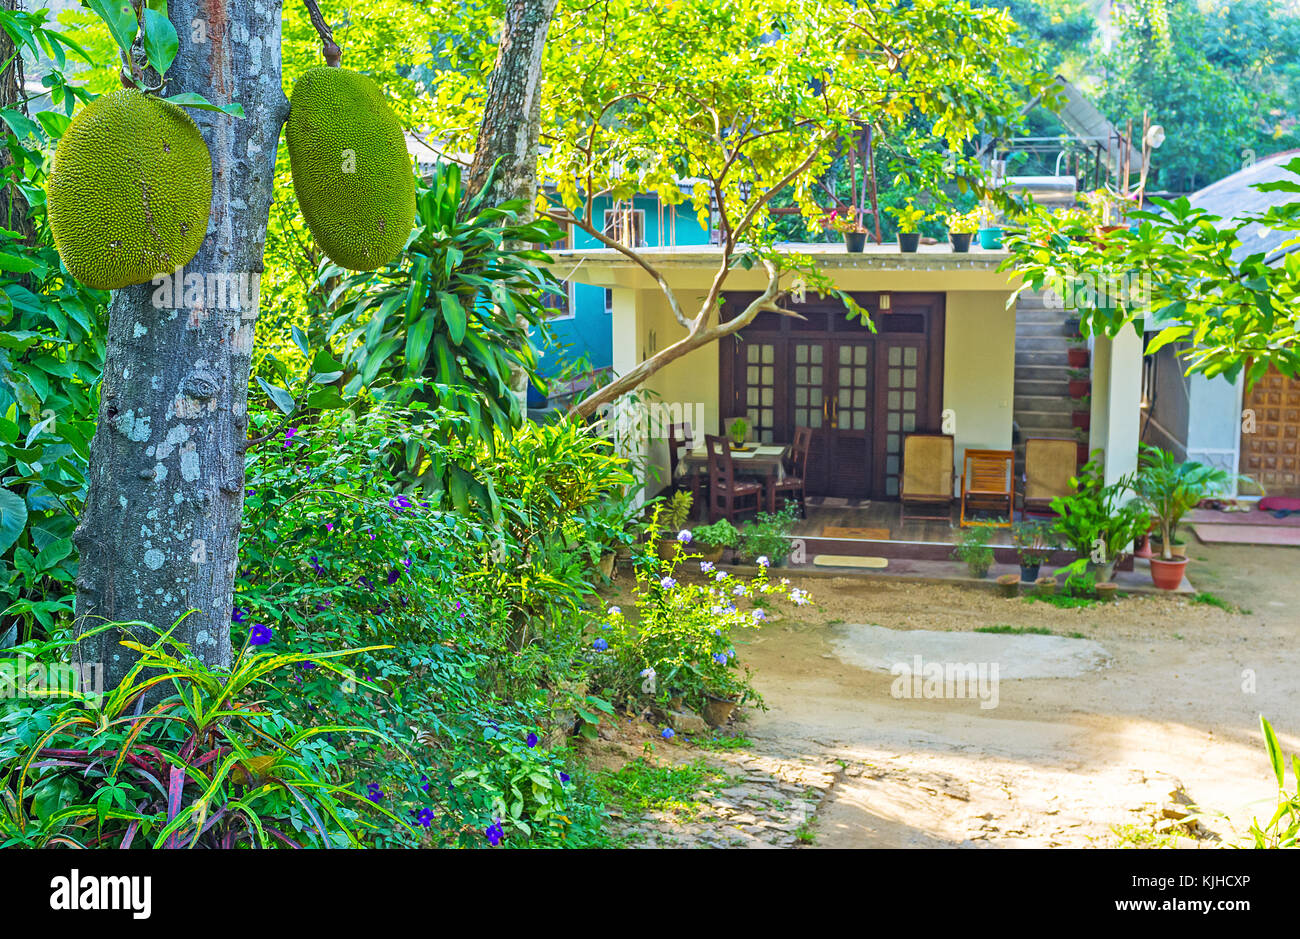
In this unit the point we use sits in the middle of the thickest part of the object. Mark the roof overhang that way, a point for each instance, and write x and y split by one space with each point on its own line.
879 267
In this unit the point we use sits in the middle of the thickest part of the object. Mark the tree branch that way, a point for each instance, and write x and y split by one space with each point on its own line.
328 47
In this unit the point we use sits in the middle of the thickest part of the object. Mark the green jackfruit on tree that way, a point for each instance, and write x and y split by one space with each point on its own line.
130 191
351 171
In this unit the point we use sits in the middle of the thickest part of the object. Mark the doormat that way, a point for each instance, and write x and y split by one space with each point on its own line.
1247 534
849 531
846 560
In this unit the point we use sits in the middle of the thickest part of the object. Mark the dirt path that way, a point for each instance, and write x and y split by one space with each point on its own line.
1058 761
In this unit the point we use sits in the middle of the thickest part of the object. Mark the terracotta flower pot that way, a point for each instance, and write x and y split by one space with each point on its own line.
1168 575
1077 356
711 553
1106 592
607 564
1080 387
1045 586
1009 585
717 711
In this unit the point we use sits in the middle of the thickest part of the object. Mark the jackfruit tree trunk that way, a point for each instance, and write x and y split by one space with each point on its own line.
512 113
13 207
160 530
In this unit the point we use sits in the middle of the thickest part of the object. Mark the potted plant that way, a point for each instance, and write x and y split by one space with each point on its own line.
1169 489
973 549
961 226
1080 382
1081 445
1009 585
1082 415
990 235
711 540
767 536
738 430
1034 542
848 222
1045 586
1077 354
909 226
1096 523
673 520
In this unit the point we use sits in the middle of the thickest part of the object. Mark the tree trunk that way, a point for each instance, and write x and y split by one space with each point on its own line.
512 113
160 530
13 207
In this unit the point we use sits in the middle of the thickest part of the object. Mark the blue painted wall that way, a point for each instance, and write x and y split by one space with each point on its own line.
588 332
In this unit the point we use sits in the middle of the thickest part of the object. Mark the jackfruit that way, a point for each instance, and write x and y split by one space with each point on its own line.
130 191
351 172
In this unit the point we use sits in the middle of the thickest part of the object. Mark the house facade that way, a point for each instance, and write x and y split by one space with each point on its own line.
1214 421
941 358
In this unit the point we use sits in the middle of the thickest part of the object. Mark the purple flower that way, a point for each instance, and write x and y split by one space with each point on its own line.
495 833
288 435
684 536
329 526
373 792
424 782
238 615
668 733
260 635
316 565
706 567
564 777
719 658
615 611
762 561
425 818
393 575
600 645
401 503
532 740
759 616
668 583
307 666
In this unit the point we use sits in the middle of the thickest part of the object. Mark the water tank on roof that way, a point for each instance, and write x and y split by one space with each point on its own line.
1045 190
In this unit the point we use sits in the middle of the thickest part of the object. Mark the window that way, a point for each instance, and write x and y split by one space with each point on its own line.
563 302
626 226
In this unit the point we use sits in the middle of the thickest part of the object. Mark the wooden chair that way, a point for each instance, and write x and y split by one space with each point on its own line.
988 482
680 440
796 468
725 491
1049 467
926 474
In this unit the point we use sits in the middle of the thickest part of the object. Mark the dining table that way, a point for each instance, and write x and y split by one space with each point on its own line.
763 461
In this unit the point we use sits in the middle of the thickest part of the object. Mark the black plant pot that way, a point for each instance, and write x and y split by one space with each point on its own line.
909 241
855 241
1029 572
960 241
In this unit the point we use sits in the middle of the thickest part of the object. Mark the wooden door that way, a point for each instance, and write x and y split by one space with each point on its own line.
810 405
901 406
852 419
1270 440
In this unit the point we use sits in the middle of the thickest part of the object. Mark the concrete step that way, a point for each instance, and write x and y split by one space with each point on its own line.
1057 403
1029 329
1042 421
1052 388
1030 357
1031 371
1041 344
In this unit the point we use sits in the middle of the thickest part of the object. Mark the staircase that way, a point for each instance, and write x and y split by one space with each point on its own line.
1042 405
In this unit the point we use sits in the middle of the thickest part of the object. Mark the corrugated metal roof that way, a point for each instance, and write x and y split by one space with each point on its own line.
1235 195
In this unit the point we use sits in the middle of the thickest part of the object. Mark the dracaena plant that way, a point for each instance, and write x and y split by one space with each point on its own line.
447 323
205 765
1170 489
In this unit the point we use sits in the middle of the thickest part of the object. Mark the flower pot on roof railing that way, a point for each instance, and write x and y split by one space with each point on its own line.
990 238
960 241
909 241
855 242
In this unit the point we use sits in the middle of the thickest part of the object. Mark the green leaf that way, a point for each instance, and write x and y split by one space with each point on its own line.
160 40
121 20
1274 751
454 314
13 518
191 99
22 126
279 396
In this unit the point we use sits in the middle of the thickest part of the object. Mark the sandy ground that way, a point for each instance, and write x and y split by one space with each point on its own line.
1059 761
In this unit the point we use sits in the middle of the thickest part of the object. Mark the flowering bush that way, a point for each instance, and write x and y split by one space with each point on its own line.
680 641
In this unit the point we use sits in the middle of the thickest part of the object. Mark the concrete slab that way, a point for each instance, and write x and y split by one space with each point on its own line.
1017 656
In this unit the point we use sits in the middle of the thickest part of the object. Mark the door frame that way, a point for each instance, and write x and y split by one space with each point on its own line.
784 330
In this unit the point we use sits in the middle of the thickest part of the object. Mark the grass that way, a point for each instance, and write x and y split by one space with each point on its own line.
641 786
1062 601
804 834
1208 599
1137 836
737 742
1006 629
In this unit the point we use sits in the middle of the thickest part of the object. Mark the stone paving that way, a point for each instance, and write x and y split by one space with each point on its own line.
766 802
